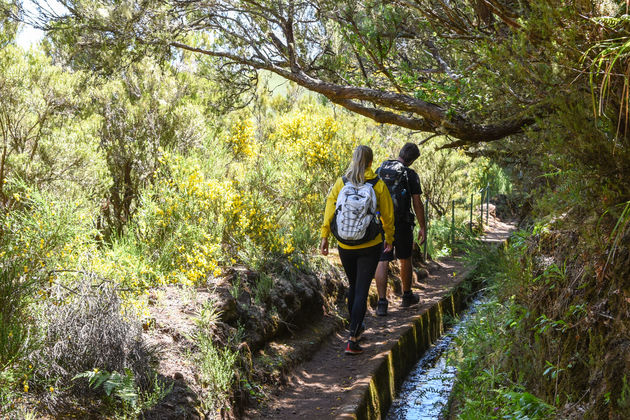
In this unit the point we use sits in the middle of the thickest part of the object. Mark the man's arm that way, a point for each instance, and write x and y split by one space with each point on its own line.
418 208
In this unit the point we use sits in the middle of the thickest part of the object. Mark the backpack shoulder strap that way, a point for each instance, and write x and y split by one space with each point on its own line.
372 181
378 170
406 174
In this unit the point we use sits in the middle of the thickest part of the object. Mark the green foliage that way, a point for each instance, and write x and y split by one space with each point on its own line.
41 230
448 235
8 380
182 221
263 287
122 393
114 384
446 176
42 136
216 367
217 363
543 340
624 398
8 26
208 316
488 385
144 113
610 72
38 236
16 291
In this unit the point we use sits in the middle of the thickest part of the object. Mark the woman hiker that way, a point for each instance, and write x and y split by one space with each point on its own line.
351 214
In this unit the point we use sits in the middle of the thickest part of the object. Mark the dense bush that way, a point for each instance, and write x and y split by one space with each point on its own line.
142 113
84 328
44 138
131 183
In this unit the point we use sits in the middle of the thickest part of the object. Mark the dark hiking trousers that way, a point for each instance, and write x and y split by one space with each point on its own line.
360 266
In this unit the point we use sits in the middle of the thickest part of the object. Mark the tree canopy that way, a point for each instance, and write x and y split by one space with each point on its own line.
399 62
8 26
474 71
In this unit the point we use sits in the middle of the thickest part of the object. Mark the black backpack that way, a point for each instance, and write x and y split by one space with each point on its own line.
394 175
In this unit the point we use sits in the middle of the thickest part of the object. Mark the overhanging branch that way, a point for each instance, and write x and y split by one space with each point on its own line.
430 117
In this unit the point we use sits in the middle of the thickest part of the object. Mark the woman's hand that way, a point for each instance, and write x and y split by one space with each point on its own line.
323 246
387 247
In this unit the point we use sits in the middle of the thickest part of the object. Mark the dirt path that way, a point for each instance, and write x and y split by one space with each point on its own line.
325 385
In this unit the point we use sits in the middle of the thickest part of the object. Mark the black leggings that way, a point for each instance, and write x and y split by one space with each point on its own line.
360 265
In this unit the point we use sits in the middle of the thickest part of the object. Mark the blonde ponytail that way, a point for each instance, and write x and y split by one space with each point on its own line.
361 160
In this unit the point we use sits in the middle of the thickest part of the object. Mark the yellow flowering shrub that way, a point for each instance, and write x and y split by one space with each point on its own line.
40 238
241 139
43 233
311 138
189 225
311 149
179 223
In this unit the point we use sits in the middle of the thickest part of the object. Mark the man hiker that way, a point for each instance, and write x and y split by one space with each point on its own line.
404 186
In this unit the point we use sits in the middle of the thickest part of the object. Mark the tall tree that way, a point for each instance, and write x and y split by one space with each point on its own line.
475 70
397 62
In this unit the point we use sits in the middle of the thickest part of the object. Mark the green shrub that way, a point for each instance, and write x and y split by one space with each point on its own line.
122 394
16 292
263 287
39 238
142 114
18 331
217 363
488 385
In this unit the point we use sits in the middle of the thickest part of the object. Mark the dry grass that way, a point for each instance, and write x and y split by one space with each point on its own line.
87 331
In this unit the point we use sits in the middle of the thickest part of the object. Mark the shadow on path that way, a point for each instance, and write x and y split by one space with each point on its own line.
327 385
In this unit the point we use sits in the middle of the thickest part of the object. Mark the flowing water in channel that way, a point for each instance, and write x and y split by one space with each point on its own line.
426 389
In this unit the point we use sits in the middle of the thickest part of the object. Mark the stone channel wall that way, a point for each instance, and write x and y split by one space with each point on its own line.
395 365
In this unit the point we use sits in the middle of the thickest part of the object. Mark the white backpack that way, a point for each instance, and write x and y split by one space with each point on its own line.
355 220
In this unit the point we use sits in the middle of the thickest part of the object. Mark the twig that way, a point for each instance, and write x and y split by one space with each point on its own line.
420 143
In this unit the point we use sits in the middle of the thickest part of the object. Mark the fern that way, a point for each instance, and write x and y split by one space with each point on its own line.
113 384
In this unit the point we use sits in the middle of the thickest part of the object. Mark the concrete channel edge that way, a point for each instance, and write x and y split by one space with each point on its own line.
375 399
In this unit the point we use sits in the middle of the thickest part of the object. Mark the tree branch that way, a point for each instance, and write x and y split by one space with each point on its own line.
433 118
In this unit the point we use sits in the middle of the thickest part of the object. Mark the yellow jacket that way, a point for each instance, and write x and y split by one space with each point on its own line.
384 205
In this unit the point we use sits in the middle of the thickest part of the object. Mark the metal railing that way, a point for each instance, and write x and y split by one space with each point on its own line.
484 196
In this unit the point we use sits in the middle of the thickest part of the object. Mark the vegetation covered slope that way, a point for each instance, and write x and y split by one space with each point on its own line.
554 76
121 194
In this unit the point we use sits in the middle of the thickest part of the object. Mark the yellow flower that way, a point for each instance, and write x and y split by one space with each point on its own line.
51 389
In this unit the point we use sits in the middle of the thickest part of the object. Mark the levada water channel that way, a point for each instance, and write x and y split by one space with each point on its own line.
425 391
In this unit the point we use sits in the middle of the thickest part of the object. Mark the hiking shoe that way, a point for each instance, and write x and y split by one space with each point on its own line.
381 307
353 348
409 299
